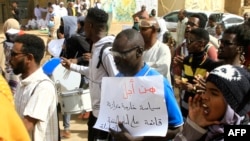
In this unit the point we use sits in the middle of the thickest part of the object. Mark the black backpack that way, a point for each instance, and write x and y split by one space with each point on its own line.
108 44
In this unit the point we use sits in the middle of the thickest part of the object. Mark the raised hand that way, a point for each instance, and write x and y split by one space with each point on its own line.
86 56
66 62
123 135
196 112
200 83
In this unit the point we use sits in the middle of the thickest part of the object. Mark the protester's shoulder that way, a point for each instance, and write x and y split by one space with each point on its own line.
211 50
107 41
211 45
214 41
77 36
211 64
110 37
106 47
44 79
136 13
153 72
162 46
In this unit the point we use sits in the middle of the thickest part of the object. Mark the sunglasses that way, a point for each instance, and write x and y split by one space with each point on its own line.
191 24
13 54
226 42
123 54
191 41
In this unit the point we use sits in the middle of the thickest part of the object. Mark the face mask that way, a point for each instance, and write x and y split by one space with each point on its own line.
51 24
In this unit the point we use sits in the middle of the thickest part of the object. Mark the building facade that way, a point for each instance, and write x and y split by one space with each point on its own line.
129 7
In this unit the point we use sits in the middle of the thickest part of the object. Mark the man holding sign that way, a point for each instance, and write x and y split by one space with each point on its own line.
127 51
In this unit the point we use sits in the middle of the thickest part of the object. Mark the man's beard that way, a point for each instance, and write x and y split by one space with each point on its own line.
20 68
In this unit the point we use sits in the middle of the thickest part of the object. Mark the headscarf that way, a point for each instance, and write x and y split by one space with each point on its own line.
10 23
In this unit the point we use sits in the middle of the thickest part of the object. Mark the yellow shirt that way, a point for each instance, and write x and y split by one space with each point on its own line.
74 11
12 127
2 59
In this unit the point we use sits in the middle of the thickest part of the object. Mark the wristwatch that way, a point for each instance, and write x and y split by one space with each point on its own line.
194 89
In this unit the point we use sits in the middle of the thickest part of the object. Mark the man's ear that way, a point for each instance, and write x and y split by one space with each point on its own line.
30 57
240 49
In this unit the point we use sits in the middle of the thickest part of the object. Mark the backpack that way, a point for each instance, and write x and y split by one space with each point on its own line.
207 47
108 44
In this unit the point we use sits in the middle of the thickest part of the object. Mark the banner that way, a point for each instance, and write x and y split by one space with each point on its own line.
138 102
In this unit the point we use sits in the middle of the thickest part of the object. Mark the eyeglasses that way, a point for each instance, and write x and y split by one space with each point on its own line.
191 24
145 23
13 54
226 42
123 54
190 41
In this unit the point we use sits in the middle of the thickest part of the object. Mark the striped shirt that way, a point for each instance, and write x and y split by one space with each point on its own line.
37 99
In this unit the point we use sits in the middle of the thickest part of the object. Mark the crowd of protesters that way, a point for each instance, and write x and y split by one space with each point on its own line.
205 85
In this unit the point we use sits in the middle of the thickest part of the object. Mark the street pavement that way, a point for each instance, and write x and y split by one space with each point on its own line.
78 128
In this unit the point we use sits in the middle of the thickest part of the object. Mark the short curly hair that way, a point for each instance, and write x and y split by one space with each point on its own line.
98 16
201 34
32 44
202 19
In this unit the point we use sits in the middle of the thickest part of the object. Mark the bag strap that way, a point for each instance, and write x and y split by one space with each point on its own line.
59 139
207 47
37 86
108 44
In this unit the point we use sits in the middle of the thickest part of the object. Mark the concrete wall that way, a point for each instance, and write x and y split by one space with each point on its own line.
208 5
165 6
233 6
3 8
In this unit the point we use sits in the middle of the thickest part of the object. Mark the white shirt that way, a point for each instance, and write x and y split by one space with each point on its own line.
56 9
62 11
180 31
32 23
94 74
159 58
87 3
41 23
78 8
163 29
38 12
40 105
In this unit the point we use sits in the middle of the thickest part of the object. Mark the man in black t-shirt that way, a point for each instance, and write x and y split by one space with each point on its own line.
16 12
197 63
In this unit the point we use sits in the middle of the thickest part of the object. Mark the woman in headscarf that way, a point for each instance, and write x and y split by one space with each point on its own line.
225 102
11 29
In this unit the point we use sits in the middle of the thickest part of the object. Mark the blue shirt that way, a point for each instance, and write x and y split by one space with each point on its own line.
174 113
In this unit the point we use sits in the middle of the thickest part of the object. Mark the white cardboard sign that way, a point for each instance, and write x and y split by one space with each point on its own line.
138 102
